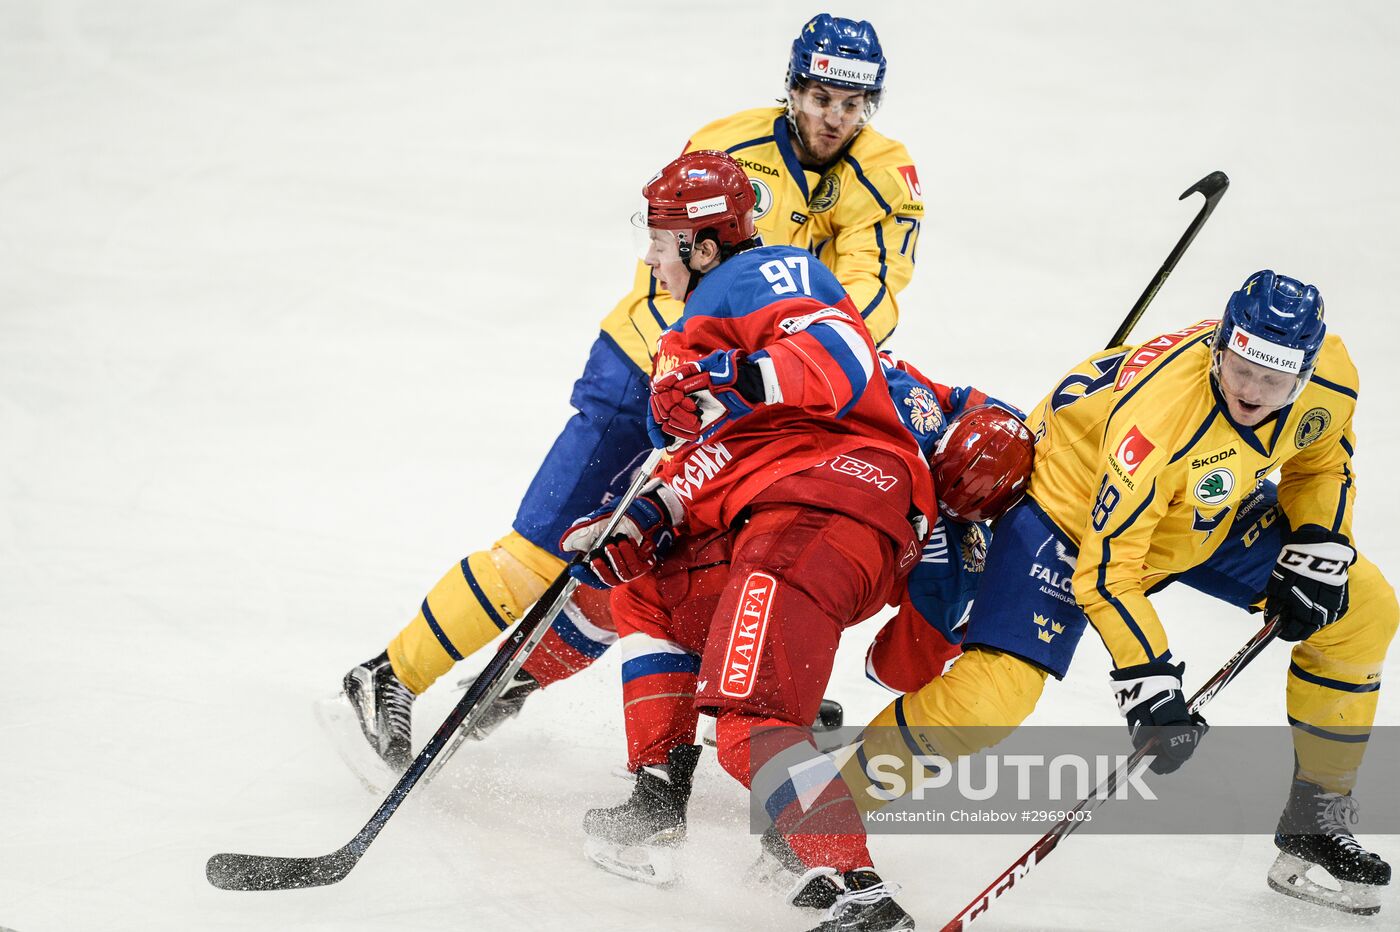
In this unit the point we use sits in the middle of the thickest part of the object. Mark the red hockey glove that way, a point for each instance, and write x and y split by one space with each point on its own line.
641 538
694 400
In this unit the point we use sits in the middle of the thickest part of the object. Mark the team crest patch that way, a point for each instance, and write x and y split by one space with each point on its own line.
924 411
1215 486
762 198
824 198
1312 426
974 549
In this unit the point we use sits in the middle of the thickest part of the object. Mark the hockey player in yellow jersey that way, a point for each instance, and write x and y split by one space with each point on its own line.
823 180
855 202
1151 466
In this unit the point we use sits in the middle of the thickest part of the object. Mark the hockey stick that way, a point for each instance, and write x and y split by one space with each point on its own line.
1213 187
1042 848
260 872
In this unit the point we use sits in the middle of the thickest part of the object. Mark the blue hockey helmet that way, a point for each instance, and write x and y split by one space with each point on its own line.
840 52
1275 322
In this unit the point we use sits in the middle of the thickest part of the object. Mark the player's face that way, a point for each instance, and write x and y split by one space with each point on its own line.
1252 392
827 118
664 256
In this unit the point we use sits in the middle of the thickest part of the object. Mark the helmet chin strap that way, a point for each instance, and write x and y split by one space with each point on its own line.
687 251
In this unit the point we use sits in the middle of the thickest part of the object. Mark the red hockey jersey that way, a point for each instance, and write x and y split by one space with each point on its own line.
780 301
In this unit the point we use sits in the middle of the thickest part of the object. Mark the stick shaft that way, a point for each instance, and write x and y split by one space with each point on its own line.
1213 186
1047 842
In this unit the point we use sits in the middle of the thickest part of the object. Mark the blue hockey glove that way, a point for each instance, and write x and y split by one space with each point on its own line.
1149 696
694 400
641 538
1308 587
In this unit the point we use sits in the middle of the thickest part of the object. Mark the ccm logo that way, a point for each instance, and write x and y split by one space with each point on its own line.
746 636
1321 566
850 466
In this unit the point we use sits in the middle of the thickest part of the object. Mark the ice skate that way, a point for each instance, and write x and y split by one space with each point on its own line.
1315 832
779 869
637 839
384 707
507 705
341 725
865 904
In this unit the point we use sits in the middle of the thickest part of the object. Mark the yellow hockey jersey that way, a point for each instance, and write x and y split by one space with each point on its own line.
861 219
1137 462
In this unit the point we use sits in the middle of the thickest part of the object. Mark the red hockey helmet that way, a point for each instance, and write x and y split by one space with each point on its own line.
702 190
982 464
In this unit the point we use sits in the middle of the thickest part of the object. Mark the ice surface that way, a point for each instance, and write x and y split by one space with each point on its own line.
291 297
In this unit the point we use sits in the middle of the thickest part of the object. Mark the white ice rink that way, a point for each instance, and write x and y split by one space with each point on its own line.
291 297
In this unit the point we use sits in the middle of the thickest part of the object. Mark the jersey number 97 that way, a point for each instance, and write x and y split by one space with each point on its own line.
779 275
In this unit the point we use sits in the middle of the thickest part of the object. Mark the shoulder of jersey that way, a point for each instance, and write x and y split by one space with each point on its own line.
735 129
1335 367
1141 362
873 148
1159 392
886 164
745 282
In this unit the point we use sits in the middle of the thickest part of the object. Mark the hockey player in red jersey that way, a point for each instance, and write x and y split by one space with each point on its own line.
824 180
801 501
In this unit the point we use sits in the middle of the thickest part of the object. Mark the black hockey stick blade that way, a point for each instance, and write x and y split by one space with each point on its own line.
259 872
1212 187
264 872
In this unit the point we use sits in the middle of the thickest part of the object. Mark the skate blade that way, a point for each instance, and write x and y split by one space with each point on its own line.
768 874
340 725
654 865
1289 876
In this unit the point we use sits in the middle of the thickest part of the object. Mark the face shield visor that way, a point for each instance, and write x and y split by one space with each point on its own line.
654 246
1257 371
817 104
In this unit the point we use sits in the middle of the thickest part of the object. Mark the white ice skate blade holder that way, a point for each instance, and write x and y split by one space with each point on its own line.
341 727
707 733
1289 876
651 864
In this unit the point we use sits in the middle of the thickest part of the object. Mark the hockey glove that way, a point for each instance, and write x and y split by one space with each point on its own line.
1150 698
694 400
1308 587
641 538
